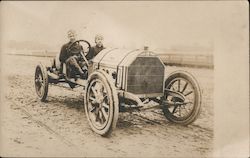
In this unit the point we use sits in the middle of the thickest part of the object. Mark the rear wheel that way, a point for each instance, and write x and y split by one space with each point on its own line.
182 98
41 82
101 103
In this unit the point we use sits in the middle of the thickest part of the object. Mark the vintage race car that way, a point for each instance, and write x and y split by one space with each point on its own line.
120 79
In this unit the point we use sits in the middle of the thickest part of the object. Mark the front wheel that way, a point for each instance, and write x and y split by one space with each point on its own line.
101 103
182 98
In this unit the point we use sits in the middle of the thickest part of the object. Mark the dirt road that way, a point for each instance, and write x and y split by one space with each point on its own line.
59 127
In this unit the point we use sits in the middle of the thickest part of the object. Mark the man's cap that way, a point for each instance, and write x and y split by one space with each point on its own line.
99 36
71 31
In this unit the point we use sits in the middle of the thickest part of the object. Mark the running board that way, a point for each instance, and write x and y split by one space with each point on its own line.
78 81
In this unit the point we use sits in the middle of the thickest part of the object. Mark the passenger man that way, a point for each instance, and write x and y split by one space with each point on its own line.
69 57
97 48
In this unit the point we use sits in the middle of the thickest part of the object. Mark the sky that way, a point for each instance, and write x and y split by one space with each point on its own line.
161 24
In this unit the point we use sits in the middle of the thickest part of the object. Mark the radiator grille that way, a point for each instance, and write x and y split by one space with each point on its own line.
145 76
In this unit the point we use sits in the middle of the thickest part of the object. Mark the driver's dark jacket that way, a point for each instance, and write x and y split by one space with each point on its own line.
65 54
93 52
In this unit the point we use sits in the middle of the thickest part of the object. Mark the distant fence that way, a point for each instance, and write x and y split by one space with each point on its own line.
189 60
37 53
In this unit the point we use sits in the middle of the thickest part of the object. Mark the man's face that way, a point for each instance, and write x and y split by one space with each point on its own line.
98 42
71 36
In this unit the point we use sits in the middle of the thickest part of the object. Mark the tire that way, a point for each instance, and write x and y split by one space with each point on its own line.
41 82
101 103
189 92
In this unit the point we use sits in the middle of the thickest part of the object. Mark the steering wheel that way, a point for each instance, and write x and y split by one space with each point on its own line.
78 41
81 51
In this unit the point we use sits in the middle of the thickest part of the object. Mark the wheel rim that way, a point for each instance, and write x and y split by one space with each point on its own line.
181 109
99 104
39 82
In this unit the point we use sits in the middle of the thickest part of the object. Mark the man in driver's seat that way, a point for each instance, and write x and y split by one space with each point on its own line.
69 57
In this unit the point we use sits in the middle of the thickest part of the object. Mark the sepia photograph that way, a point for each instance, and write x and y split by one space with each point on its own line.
124 79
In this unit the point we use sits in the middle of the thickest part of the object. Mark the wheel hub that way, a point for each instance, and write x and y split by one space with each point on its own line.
38 81
175 96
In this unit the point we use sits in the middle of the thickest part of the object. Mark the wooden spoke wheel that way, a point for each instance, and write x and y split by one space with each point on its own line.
101 103
41 82
182 98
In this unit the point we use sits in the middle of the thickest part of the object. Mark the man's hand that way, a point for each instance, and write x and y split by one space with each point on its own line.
85 49
77 57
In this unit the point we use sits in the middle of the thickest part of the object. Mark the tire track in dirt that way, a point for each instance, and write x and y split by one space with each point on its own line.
160 122
46 127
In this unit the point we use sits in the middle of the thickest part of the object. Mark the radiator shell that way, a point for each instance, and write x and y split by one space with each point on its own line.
137 71
145 75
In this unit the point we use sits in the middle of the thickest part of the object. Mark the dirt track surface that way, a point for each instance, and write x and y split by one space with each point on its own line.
59 127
